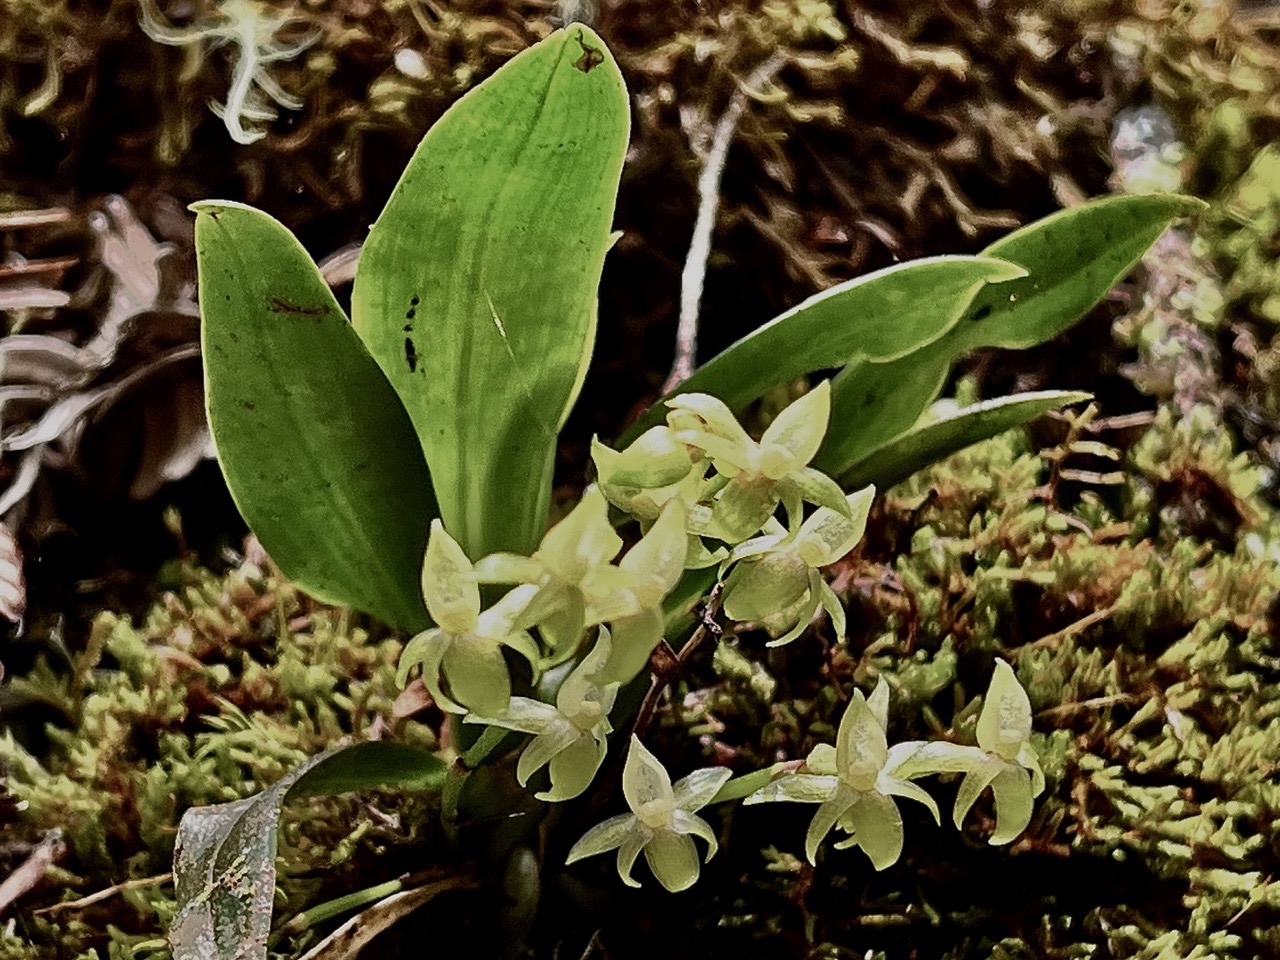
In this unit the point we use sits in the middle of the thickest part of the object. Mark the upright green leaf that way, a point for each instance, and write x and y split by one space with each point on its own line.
883 315
224 866
476 291
316 448
1072 258
930 442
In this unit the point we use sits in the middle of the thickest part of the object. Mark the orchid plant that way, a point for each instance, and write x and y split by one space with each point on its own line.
400 463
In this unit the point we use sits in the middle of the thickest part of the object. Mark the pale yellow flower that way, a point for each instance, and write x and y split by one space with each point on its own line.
663 821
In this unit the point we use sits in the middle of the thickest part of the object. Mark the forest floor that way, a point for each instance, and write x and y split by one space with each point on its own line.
1126 558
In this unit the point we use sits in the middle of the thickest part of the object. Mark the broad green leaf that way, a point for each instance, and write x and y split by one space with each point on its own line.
883 315
873 402
317 450
1073 258
224 866
476 291
930 442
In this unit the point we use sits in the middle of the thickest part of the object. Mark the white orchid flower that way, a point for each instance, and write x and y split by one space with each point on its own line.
571 568
1003 760
575 583
465 646
761 475
776 580
570 737
856 783
663 821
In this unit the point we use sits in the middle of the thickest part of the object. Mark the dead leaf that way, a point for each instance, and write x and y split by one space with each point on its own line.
23 880
13 587
347 942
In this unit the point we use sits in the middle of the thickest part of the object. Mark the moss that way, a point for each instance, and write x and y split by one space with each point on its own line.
224 686
1215 70
1139 615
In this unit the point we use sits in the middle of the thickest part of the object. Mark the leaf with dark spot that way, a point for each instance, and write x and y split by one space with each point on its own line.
500 223
293 409
224 863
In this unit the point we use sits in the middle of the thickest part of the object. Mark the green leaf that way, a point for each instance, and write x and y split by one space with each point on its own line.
882 315
930 442
1073 258
224 865
318 452
476 291
872 403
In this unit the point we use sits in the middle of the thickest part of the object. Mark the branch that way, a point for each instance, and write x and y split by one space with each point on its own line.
694 274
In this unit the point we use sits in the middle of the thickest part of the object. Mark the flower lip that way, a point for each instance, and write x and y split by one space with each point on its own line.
656 813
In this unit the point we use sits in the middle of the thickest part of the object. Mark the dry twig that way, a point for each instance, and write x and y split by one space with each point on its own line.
694 275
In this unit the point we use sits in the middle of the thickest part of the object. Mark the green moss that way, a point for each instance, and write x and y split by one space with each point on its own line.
224 686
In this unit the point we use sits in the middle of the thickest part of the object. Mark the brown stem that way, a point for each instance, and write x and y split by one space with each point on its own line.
666 665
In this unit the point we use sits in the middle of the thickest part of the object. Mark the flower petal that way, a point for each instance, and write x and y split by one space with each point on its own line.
878 703
821 760
861 747
509 613
1027 758
1005 722
695 791
657 561
818 488
582 541
876 825
827 535
448 583
915 759
634 639
561 628
893 787
477 674
796 788
418 650
802 615
558 735
825 818
573 768
584 681
654 459
701 556
759 588
522 715
523 644
774 536
644 778
604 837
673 859
693 825
829 602
428 650
691 414
971 787
795 435
742 508
508 568
1014 803
610 593
628 850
